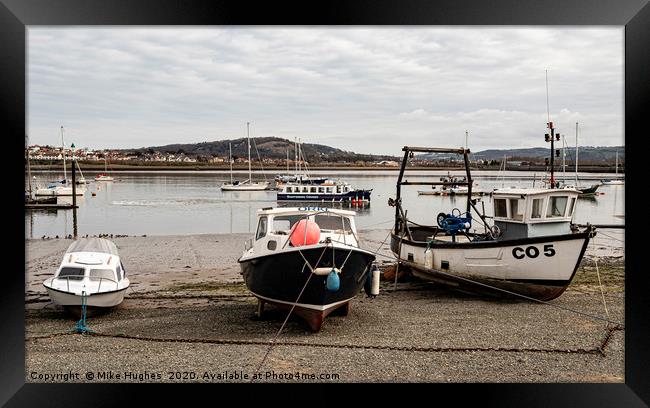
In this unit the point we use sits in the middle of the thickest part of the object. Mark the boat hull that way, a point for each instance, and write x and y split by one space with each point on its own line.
102 299
245 187
59 191
315 197
539 267
279 279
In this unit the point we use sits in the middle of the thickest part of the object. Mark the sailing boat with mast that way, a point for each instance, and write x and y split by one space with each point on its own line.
584 191
104 176
616 181
56 188
246 185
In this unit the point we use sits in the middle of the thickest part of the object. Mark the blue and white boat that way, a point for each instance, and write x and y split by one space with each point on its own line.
329 191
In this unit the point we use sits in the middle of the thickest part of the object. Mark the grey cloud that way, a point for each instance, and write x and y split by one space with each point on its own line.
367 89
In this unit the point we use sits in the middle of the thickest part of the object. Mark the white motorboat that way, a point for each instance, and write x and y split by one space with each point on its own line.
246 185
91 268
532 248
307 259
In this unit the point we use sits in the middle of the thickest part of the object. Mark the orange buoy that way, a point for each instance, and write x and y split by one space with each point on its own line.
305 232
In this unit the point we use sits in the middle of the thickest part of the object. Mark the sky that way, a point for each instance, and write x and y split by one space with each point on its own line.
362 89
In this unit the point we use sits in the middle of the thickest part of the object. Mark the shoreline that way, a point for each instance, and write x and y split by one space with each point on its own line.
92 167
188 310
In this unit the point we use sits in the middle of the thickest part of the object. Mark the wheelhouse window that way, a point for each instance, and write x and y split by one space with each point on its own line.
99 274
556 206
321 189
571 207
517 209
333 222
329 189
289 189
72 273
118 271
313 189
500 209
305 189
537 208
261 228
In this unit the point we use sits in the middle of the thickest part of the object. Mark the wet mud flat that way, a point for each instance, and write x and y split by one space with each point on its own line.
188 317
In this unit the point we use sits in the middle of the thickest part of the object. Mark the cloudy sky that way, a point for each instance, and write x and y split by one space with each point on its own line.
369 90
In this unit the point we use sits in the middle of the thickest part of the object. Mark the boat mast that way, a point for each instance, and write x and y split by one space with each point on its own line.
250 178
287 159
550 126
29 173
617 163
295 155
230 159
65 174
576 154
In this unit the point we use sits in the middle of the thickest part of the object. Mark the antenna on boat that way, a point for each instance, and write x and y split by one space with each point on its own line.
549 124
466 140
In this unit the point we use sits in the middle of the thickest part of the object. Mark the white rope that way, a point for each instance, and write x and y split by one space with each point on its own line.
602 292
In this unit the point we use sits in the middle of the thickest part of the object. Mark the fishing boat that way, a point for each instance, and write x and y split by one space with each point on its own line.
308 260
91 268
615 181
330 191
246 185
531 249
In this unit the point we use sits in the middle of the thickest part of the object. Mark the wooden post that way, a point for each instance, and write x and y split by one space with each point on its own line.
74 198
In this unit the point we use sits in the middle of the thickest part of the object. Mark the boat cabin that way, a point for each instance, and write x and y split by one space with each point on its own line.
274 226
526 212
328 188
90 265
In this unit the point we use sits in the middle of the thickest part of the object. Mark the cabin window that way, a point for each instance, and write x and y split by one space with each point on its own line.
118 270
556 206
329 189
289 189
261 228
123 269
72 273
305 190
332 222
517 209
537 208
313 189
99 274
321 189
571 205
338 189
500 208
272 245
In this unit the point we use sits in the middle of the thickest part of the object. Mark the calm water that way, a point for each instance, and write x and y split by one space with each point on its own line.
170 203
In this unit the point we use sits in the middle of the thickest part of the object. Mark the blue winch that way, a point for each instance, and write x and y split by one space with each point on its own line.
454 222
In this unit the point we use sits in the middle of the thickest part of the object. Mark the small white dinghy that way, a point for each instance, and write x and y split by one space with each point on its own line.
90 267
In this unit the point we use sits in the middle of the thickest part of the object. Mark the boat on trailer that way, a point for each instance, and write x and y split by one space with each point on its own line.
531 249
91 268
308 260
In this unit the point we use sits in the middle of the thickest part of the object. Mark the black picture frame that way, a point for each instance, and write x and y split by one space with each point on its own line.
15 15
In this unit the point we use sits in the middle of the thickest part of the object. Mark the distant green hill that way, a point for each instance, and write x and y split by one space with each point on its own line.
276 148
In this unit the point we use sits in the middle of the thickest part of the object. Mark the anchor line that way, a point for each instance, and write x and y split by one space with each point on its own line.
293 306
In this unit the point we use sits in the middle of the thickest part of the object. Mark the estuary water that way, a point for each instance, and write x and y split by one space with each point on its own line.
190 202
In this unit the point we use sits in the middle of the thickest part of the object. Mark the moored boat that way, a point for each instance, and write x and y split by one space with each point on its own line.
532 248
308 260
91 268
